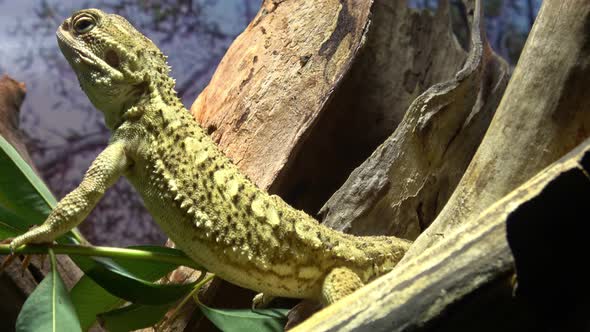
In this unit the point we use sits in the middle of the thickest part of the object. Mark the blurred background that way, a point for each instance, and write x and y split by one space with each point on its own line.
64 133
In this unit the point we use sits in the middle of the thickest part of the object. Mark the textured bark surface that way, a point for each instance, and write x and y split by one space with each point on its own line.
406 51
15 283
276 78
403 185
544 113
479 254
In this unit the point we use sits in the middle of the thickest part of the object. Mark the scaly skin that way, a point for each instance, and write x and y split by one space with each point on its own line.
195 193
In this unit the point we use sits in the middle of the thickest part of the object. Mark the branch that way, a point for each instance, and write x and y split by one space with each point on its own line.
478 254
111 252
543 115
402 186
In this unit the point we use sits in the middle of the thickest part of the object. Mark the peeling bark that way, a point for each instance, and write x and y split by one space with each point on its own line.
406 51
403 185
544 113
276 78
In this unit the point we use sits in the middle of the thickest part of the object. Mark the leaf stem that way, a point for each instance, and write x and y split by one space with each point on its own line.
177 257
191 294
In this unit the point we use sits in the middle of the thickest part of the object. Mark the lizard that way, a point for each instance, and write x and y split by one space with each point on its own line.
194 192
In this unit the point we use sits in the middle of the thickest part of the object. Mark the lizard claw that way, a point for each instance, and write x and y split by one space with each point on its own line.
261 301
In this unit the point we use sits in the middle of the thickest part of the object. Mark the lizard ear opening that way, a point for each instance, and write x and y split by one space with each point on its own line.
112 58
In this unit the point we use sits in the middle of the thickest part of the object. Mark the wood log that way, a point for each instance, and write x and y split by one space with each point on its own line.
12 95
402 186
406 52
426 292
544 113
276 78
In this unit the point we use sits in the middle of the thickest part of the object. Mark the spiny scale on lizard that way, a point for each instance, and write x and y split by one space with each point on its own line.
200 199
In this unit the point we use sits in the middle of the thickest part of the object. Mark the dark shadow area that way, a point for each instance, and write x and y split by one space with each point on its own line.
548 236
493 308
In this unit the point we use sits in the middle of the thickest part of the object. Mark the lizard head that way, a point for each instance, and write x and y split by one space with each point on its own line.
115 64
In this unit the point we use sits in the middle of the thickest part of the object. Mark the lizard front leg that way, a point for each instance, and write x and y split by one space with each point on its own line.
75 206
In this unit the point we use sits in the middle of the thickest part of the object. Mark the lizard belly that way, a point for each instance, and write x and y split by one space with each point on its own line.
285 279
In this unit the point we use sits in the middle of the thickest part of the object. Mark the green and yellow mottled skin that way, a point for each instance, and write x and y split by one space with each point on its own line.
195 193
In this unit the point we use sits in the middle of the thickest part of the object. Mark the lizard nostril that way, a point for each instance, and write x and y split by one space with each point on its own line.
66 25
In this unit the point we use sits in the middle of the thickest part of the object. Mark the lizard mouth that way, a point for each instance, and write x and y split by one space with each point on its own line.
72 51
67 45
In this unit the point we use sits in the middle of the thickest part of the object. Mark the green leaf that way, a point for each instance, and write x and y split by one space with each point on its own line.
132 317
90 299
25 201
10 224
149 270
103 301
22 191
246 319
48 308
117 281
137 287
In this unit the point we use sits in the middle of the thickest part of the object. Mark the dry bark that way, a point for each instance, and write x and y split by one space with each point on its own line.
544 113
12 94
480 254
276 78
403 185
406 51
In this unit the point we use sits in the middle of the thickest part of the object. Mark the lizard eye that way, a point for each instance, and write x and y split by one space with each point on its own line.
84 24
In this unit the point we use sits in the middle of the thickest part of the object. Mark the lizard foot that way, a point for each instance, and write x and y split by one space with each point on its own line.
9 258
261 301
